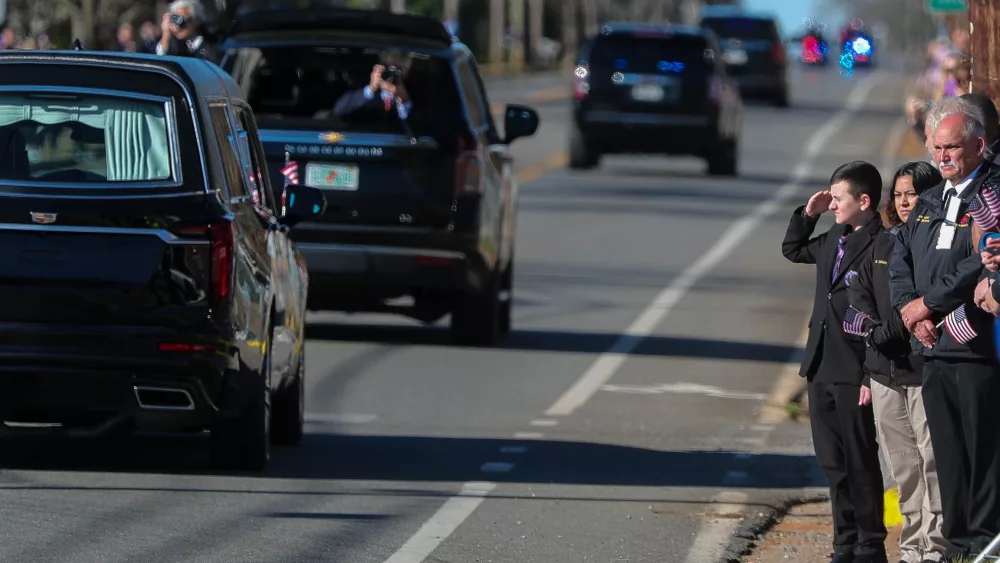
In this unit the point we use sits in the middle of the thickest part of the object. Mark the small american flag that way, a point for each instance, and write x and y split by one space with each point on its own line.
981 214
958 326
291 172
991 195
854 322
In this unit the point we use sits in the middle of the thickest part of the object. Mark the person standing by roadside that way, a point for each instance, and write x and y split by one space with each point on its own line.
182 36
895 376
934 272
840 411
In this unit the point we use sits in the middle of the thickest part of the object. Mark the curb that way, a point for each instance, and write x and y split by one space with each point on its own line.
750 532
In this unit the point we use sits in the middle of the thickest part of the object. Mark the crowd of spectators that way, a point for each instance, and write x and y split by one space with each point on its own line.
948 75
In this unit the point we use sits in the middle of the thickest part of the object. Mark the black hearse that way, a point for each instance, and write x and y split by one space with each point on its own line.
148 279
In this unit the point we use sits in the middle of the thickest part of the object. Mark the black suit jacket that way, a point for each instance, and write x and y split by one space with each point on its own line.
354 108
831 355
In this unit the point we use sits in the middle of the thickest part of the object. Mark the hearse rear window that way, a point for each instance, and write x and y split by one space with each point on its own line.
299 87
82 138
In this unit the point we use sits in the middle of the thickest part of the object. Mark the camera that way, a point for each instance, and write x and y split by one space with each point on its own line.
392 75
179 20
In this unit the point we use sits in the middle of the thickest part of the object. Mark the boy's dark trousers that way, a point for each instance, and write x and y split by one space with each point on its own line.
847 451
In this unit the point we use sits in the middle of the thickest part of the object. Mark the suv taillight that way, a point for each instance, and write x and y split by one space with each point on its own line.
222 248
581 83
469 170
778 53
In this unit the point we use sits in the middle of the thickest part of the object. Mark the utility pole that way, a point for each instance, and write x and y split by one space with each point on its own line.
985 18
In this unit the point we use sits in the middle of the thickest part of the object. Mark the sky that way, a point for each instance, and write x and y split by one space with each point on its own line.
789 12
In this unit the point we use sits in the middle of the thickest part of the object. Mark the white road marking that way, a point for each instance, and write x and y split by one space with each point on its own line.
496 467
513 449
685 389
441 525
544 422
529 435
605 367
341 418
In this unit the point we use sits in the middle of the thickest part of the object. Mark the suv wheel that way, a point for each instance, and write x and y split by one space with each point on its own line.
581 157
475 319
722 161
244 443
288 414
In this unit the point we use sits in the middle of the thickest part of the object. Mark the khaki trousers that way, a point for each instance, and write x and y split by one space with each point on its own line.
906 442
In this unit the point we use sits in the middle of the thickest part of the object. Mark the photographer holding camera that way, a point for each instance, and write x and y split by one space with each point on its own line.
181 28
384 90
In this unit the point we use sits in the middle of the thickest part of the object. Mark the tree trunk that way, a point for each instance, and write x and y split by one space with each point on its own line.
536 13
590 19
398 6
569 32
496 33
985 18
517 32
656 11
450 10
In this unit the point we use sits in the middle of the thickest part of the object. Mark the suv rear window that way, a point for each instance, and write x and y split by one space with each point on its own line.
742 28
79 138
641 53
297 87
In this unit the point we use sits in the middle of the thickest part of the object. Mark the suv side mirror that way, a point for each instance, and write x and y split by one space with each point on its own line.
519 121
301 203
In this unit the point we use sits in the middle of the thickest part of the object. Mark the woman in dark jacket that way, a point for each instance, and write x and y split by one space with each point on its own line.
895 376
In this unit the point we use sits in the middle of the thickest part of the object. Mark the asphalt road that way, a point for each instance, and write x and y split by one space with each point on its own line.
619 422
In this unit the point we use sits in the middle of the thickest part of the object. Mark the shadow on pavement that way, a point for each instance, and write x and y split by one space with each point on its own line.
428 459
560 341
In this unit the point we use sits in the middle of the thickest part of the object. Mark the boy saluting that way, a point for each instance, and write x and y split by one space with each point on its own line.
840 411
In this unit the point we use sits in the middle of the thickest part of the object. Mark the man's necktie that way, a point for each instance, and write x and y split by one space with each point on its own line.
840 258
948 194
388 102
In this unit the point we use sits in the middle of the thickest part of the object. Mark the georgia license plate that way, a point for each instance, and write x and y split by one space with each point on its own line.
332 176
647 93
735 57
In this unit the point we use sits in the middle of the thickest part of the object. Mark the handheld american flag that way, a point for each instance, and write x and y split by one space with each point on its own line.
291 172
991 196
958 326
981 213
854 322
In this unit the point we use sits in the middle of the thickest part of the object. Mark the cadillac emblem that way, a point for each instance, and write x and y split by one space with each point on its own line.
332 137
43 218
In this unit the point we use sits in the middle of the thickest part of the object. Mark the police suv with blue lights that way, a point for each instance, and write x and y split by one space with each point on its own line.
654 89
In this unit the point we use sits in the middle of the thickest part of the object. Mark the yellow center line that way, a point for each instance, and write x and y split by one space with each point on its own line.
535 171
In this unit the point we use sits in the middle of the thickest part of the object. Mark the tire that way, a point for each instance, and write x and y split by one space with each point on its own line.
581 157
288 415
244 443
475 319
723 160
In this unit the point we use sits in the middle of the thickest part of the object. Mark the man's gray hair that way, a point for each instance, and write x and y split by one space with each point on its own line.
193 6
947 107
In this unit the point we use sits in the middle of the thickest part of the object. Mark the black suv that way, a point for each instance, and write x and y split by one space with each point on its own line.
419 180
149 283
754 54
653 89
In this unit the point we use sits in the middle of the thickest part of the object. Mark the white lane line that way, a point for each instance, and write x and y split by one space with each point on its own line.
604 368
529 435
713 537
513 449
544 422
344 418
441 525
496 467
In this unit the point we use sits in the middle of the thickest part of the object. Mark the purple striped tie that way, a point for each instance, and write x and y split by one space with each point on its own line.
840 258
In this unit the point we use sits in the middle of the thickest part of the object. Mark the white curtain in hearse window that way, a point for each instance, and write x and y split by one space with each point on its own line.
133 132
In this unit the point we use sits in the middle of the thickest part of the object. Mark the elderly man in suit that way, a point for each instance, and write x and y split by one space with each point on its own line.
934 273
840 407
